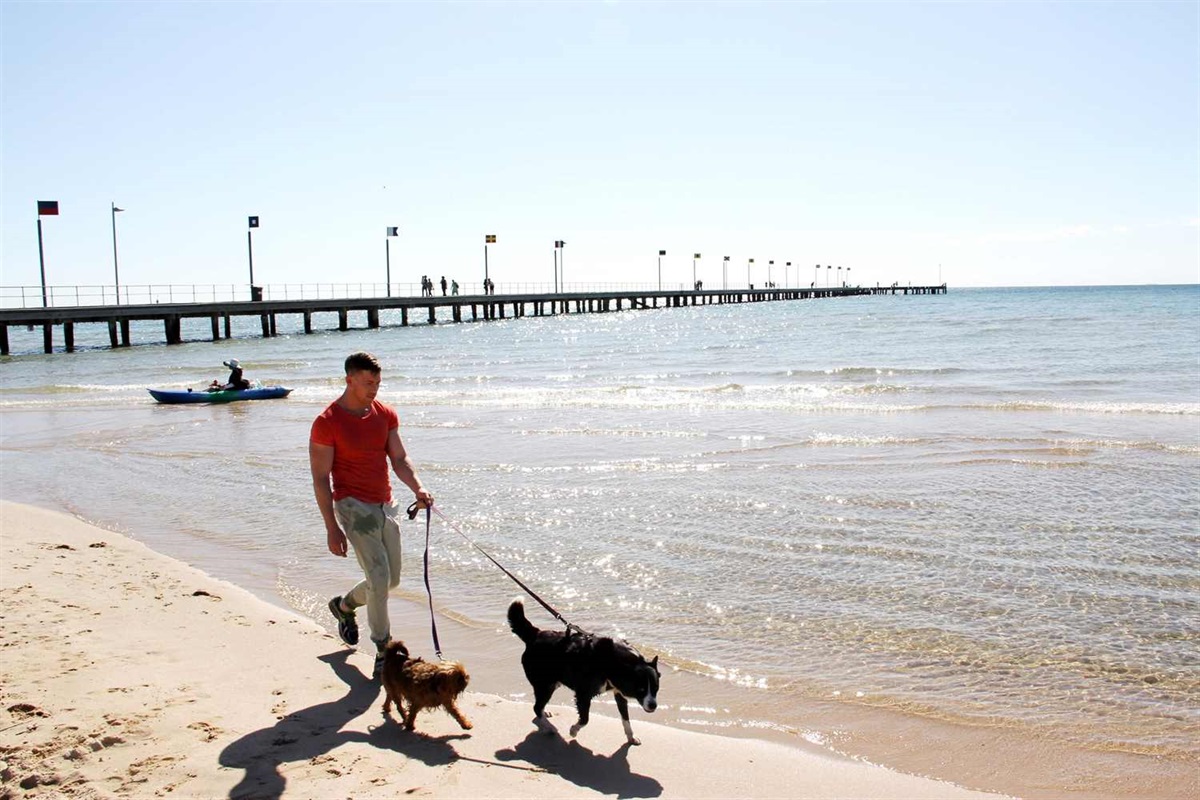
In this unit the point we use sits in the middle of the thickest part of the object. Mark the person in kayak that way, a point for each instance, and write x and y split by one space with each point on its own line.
351 445
236 380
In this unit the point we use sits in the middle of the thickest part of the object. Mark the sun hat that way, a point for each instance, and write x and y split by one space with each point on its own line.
233 363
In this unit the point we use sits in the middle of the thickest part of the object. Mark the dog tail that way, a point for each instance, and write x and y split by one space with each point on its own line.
522 627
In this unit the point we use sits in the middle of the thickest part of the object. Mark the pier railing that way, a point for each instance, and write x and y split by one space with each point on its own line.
68 296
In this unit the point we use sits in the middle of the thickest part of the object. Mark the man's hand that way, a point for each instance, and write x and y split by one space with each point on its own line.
424 498
336 541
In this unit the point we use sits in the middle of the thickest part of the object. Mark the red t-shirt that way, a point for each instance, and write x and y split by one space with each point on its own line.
360 462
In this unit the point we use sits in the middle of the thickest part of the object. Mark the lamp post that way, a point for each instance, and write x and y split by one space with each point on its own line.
387 253
695 258
848 275
770 264
116 272
559 246
839 283
252 223
816 275
46 208
827 274
749 263
787 271
725 273
661 253
489 238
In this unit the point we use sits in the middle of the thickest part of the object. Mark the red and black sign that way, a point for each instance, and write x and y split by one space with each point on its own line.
47 208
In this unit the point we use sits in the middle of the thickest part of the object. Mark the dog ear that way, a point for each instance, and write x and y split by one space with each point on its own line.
654 664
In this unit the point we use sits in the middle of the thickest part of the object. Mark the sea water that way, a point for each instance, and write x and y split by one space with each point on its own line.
980 508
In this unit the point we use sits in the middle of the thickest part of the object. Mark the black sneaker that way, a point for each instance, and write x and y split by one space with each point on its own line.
347 624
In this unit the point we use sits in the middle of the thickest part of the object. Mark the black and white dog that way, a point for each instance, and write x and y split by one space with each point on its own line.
587 664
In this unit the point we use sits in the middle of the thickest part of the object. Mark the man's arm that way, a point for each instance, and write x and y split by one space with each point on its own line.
404 469
320 460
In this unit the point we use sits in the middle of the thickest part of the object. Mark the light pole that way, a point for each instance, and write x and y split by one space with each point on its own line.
848 275
749 263
489 238
559 252
252 223
816 275
787 271
46 208
695 258
387 253
661 253
770 264
725 273
827 274
839 283
116 272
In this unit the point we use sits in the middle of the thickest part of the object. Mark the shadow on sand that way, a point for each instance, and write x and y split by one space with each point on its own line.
314 731
574 762
317 730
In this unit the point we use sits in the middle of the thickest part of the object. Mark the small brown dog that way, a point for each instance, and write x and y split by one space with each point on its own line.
423 684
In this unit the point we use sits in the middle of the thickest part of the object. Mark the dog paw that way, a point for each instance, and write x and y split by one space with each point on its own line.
575 730
635 741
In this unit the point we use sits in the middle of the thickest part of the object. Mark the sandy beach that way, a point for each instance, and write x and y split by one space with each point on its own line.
129 674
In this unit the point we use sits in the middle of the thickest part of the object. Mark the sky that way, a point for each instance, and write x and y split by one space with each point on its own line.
975 143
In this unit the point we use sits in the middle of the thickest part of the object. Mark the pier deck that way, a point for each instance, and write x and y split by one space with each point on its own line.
481 307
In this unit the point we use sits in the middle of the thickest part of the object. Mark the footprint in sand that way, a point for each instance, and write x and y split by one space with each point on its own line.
209 732
26 710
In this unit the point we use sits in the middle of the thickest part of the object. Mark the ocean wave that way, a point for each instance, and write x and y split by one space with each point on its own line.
622 432
1024 462
74 388
1090 407
850 372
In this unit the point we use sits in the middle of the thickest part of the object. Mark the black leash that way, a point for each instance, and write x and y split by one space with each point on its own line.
412 514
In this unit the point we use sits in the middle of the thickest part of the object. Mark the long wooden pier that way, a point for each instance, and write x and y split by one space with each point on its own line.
480 307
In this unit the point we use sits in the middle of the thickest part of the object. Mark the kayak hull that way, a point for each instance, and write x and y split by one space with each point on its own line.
177 396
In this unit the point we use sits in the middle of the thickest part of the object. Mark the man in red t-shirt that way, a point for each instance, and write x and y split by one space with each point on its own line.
349 449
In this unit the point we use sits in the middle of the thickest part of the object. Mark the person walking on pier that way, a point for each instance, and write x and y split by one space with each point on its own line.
443 286
454 288
351 445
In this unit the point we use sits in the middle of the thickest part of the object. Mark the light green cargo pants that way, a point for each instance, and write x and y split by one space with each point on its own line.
374 533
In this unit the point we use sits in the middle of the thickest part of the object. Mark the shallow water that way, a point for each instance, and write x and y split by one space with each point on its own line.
976 508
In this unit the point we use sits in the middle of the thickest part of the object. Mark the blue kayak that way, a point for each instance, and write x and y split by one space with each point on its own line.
174 396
